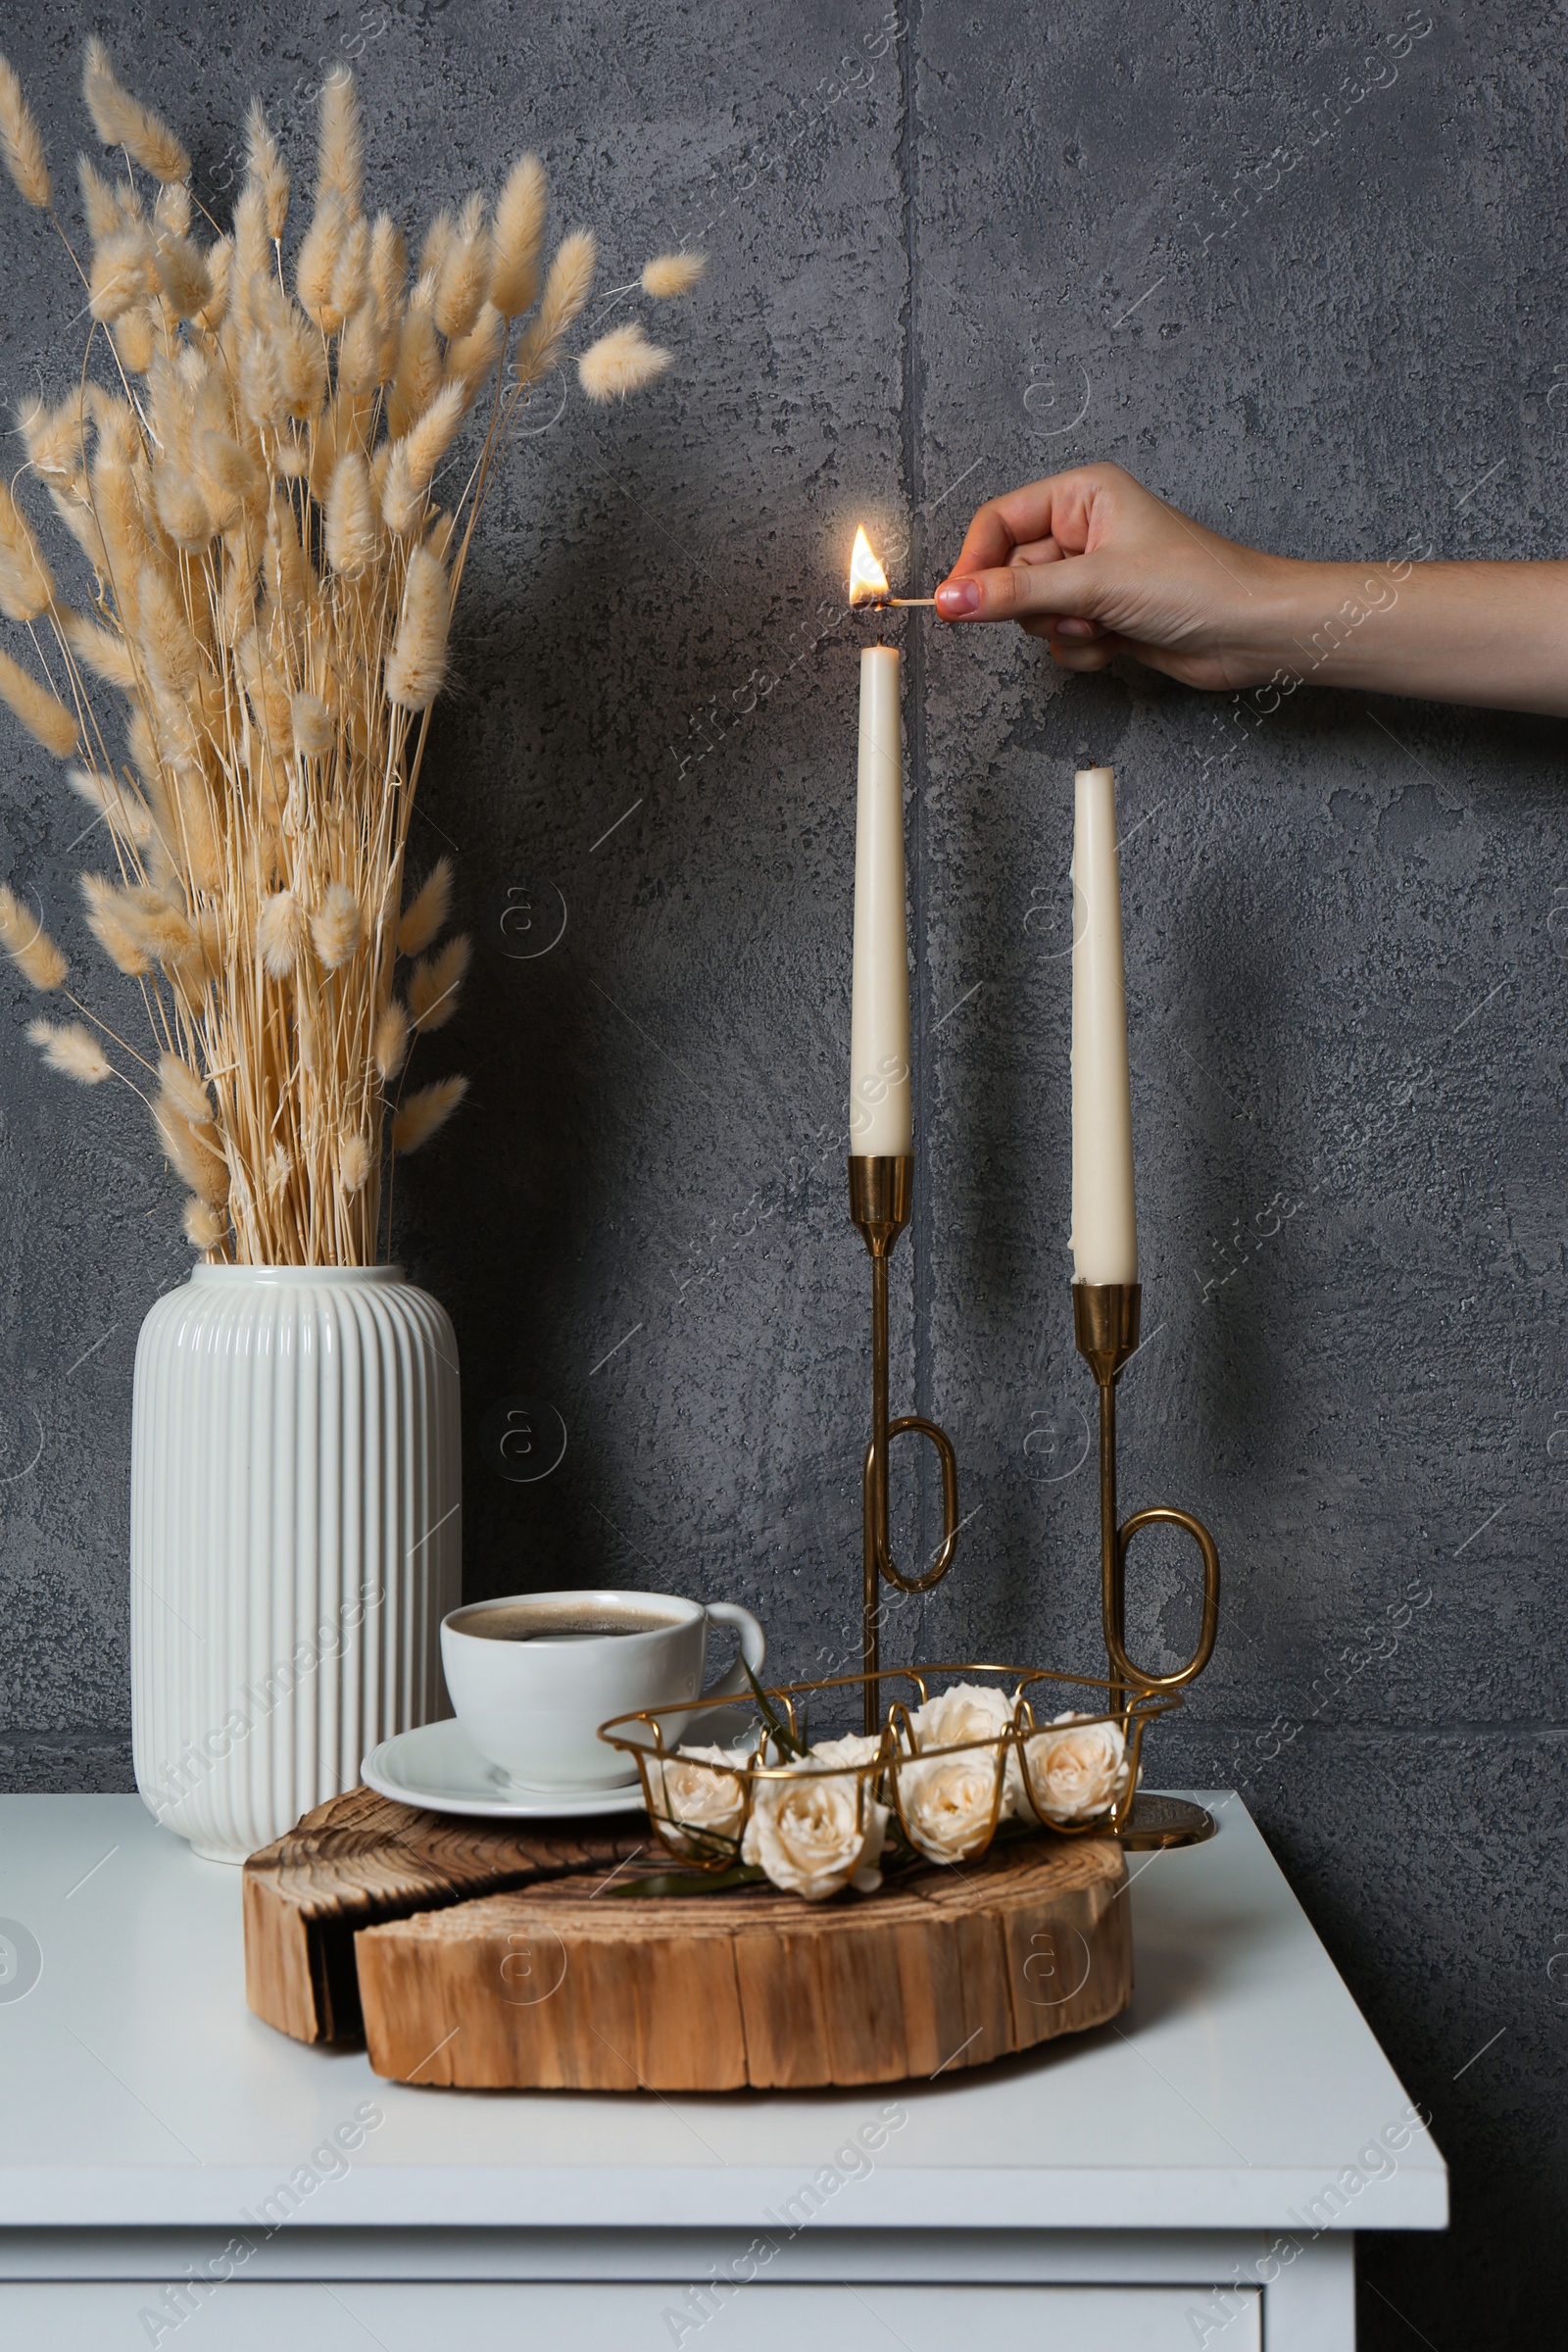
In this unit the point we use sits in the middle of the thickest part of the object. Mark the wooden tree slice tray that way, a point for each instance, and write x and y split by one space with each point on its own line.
496 1961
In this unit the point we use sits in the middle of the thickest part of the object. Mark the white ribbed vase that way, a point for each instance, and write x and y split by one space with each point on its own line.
295 1538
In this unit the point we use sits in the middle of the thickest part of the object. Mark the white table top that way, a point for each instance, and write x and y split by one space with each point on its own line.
136 2088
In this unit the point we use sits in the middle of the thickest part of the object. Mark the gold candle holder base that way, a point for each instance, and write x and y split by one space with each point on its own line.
881 1194
1105 1327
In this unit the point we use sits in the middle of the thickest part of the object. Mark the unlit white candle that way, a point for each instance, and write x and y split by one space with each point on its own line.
1105 1226
880 1117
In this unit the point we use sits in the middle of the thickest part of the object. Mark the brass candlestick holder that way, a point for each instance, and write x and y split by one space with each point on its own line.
1105 1327
880 1193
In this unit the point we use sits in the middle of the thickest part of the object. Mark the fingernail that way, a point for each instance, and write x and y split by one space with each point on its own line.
960 596
1075 628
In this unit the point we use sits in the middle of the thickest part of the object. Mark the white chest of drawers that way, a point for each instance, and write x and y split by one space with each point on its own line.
173 2172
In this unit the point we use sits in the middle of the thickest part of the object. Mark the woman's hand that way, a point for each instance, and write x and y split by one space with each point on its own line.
1097 565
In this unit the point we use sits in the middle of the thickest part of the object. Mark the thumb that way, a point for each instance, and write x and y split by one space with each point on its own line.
1069 586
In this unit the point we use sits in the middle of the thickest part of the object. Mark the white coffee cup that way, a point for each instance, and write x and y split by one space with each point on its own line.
531 1677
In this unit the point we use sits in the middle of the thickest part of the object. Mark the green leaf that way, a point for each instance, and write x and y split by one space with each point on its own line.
777 1728
692 1882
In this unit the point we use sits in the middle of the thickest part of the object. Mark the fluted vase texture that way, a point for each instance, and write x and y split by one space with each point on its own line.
296 1538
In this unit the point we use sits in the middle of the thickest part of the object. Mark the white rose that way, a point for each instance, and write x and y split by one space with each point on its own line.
691 1795
948 1803
815 1831
970 1712
857 1747
1078 1774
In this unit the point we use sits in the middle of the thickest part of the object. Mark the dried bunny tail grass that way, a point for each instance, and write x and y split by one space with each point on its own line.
464 279
424 1114
157 926
42 713
434 983
289 574
355 1161
340 148
353 533
74 1051
310 722
389 265
125 272
337 926
181 508
470 359
219 260
164 634
351 279
98 200
566 289
27 944
19 142
417 379
107 922
281 930
317 262
120 805
121 121
187 288
620 363
253 251
668 274
136 338
441 533
27 584
389 1049
366 354
266 170
104 652
205 1226
517 238
415 457
171 208
417 665
185 1090
197 1164
53 438
227 478
436 243
426 915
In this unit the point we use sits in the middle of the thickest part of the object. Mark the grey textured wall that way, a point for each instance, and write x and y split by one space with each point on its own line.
955 247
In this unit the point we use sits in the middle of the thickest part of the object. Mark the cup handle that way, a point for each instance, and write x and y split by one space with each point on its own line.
754 1647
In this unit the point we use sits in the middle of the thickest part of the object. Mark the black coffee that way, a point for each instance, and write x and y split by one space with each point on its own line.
561 1623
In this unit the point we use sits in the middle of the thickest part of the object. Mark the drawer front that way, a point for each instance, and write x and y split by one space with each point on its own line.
351 2314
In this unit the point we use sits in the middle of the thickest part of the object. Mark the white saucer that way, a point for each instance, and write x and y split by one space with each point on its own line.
438 1766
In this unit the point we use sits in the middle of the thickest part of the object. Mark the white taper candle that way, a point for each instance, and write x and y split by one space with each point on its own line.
880 1117
1105 1226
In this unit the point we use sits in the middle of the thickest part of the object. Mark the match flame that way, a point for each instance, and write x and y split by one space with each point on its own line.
868 582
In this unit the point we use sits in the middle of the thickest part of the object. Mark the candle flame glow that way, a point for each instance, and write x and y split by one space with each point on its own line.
868 582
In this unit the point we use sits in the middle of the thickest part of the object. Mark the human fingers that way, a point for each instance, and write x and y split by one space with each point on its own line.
1056 509
1018 591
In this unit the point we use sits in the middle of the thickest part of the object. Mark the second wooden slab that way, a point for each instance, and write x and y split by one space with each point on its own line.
568 1987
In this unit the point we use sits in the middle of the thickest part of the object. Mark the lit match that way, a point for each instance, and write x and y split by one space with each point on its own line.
868 582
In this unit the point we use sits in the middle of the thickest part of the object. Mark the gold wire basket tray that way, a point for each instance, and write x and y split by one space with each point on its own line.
700 1804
